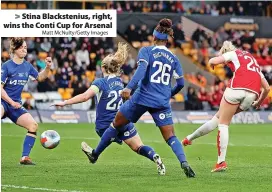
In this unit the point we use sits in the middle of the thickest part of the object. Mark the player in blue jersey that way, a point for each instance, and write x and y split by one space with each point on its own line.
14 75
108 100
156 66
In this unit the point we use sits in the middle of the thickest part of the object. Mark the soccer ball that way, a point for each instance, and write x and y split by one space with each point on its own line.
50 139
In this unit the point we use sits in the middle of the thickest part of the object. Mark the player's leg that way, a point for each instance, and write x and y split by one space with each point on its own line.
129 112
207 127
204 129
228 107
163 119
27 121
136 144
2 111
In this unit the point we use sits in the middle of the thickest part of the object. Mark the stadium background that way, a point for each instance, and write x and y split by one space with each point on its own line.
77 61
204 26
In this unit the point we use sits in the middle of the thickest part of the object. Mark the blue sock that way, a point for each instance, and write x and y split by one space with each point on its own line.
176 146
105 140
146 151
28 144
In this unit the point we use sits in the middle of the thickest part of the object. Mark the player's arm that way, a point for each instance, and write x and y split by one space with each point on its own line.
45 73
83 97
4 95
222 59
264 93
139 73
6 98
178 75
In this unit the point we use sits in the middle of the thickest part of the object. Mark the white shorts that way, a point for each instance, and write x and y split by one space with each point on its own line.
239 96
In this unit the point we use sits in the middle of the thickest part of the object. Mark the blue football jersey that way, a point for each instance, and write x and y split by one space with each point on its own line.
154 90
108 100
15 76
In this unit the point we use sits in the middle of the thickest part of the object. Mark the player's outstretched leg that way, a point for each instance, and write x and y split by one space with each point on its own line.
109 135
204 129
169 136
27 121
88 152
136 144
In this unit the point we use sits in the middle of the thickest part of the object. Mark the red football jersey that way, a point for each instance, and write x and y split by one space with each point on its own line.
246 71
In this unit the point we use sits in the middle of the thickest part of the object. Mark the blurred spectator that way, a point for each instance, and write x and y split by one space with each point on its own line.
231 11
127 7
223 11
241 11
82 55
192 101
178 35
131 34
203 95
119 8
143 33
215 97
131 61
45 45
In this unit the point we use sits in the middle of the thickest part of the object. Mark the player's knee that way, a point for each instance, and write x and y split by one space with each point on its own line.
167 133
33 127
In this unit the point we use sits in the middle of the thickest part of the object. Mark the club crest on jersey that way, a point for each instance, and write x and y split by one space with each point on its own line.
126 133
162 116
21 74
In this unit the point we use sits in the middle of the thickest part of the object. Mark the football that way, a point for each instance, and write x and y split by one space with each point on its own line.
50 139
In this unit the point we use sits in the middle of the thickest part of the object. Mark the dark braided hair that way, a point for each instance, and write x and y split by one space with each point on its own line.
165 26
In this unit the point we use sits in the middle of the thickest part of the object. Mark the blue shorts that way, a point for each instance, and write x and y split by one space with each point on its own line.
133 111
11 112
127 132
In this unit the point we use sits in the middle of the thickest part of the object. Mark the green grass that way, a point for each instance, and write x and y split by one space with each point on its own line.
119 169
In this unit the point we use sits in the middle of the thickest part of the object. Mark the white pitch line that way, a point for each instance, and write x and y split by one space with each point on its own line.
38 188
157 141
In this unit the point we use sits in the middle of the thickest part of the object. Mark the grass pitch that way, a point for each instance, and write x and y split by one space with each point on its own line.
66 169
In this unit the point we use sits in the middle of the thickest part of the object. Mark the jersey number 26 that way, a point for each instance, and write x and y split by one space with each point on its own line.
112 105
162 75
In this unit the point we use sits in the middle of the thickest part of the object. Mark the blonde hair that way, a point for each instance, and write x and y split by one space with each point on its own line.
227 47
113 62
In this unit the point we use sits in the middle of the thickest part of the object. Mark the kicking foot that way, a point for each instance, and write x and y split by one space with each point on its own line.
160 166
219 167
89 152
187 170
26 161
186 142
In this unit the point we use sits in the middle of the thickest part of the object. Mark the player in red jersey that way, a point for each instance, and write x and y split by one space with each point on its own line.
243 91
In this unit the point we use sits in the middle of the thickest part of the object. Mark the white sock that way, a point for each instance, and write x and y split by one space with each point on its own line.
204 129
222 142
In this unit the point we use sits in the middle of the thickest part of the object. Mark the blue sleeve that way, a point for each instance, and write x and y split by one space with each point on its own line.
138 75
4 73
178 86
178 75
142 61
143 55
98 83
33 72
